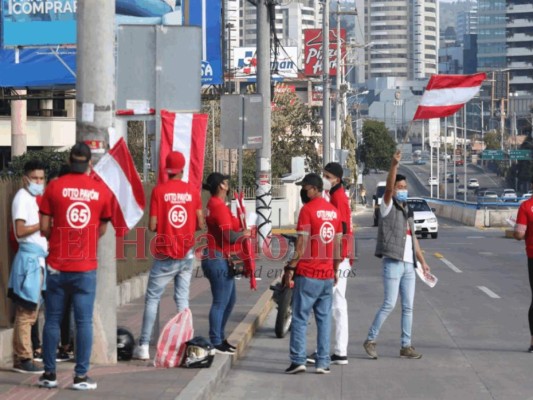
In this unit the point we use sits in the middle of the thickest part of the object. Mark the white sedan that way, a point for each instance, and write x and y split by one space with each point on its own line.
432 181
472 183
426 222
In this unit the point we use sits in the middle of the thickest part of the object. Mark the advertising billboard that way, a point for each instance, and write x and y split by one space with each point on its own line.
283 64
313 51
38 22
210 19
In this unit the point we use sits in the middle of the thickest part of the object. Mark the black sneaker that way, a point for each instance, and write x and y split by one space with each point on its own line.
27 367
83 383
229 346
325 370
311 359
339 360
530 350
37 356
295 368
48 380
62 356
223 349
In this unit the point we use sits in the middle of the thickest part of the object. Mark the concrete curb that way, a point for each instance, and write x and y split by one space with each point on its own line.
204 385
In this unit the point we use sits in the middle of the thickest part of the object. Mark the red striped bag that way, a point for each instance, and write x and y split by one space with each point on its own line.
171 344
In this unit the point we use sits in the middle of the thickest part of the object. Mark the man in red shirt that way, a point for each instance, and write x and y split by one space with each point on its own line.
175 209
315 264
74 211
524 230
333 172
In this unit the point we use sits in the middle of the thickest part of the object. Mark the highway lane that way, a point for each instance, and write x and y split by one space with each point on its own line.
473 342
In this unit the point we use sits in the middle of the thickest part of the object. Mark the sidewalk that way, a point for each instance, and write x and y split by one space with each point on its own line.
139 379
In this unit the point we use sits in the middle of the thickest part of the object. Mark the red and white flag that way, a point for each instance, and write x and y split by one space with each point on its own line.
446 94
186 133
117 170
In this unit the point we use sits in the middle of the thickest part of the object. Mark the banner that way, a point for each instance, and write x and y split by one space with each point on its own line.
313 51
284 64
210 19
38 22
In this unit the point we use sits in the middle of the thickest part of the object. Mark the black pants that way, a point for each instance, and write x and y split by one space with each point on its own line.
530 315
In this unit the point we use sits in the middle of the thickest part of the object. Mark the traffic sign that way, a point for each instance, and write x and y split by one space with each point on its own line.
519 154
493 155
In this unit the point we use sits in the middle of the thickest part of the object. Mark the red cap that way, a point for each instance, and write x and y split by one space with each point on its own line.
175 162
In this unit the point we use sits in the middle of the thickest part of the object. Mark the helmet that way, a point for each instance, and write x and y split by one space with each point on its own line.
199 353
125 343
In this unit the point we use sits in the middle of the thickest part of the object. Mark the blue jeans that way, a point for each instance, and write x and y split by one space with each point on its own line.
397 276
311 294
81 287
215 269
162 272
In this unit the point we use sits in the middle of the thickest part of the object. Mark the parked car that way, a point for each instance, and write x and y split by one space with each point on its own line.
461 189
472 183
432 181
526 196
425 220
509 195
445 157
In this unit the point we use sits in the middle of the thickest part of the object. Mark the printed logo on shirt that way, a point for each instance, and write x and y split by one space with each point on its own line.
178 198
177 216
78 215
327 215
327 232
80 194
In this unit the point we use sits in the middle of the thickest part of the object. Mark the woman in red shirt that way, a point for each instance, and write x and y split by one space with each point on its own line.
223 239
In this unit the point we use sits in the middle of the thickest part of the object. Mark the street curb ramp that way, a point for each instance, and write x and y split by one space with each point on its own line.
205 384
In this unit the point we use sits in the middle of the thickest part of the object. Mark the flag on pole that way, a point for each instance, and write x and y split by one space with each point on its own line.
186 133
117 170
446 94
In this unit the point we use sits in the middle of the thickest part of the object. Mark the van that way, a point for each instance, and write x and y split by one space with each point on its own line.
377 198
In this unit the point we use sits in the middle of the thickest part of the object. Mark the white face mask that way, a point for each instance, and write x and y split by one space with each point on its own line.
36 189
326 184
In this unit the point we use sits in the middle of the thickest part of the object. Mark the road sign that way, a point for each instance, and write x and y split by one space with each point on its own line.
493 155
519 154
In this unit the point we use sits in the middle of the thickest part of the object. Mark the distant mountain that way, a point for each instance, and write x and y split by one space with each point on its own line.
449 10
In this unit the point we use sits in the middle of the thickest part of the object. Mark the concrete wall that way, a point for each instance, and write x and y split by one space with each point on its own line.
42 131
482 218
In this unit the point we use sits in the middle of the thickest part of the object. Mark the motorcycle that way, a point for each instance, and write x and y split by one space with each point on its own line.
282 296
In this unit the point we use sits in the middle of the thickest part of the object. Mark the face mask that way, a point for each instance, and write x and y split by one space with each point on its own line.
303 196
401 196
36 189
326 184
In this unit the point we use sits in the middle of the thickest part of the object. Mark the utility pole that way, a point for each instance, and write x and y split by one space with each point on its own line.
19 118
263 194
326 107
95 99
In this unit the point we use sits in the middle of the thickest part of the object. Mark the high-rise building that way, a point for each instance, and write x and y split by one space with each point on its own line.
491 35
466 23
519 49
404 36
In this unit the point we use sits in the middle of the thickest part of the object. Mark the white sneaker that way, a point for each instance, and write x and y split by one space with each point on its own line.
141 352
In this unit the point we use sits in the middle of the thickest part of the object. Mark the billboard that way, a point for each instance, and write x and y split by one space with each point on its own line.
283 64
38 22
210 19
313 51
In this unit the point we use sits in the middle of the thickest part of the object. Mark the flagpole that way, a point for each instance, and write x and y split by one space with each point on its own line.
446 158
454 163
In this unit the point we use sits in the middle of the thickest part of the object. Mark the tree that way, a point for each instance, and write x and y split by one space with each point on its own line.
290 119
492 140
378 146
51 159
348 143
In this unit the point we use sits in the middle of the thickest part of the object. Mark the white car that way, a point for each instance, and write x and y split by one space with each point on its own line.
472 183
509 195
526 196
432 181
426 222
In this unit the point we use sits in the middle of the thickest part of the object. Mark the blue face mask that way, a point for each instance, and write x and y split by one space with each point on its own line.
36 189
401 195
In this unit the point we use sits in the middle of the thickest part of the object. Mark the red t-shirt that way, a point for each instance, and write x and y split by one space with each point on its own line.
219 219
78 204
340 201
320 221
175 204
524 222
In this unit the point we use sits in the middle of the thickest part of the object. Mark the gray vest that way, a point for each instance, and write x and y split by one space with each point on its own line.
392 232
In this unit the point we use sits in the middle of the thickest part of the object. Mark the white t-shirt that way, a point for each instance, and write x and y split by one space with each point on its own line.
25 207
408 251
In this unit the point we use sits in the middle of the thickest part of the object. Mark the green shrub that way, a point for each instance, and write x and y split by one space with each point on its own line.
52 160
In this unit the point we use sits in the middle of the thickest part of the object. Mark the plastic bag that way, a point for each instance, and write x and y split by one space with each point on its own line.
172 341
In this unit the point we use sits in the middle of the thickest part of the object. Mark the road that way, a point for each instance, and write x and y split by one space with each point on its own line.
471 328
